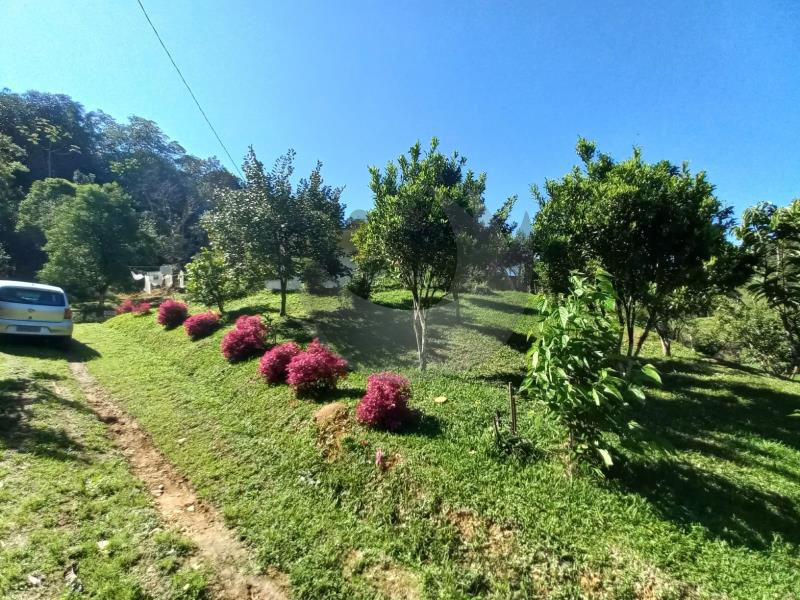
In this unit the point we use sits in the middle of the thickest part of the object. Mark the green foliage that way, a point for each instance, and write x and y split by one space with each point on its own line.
771 238
268 230
5 262
58 139
754 332
91 241
410 231
652 226
209 280
572 368
37 208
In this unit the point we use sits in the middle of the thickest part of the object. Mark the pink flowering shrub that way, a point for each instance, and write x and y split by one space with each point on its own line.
172 313
129 306
315 370
202 325
143 308
126 307
274 362
385 405
246 339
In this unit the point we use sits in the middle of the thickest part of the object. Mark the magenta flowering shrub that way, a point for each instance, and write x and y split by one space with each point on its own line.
385 405
247 338
172 313
126 307
129 306
201 325
315 370
274 362
143 308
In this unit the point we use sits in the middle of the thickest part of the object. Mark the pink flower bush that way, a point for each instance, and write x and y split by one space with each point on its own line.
247 338
385 405
172 313
315 370
143 308
274 362
129 306
126 307
202 325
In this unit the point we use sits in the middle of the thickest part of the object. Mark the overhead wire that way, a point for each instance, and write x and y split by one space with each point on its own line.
189 88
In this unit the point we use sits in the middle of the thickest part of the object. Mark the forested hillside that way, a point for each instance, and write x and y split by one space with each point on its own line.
49 142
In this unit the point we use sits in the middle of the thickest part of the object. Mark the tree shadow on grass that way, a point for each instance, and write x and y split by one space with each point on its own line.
422 424
19 433
727 420
728 510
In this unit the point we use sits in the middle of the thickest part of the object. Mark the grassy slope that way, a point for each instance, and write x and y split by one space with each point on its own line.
719 517
64 489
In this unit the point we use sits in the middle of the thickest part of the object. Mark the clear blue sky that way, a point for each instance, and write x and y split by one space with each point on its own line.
510 85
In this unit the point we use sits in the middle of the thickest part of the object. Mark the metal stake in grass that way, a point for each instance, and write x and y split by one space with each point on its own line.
513 402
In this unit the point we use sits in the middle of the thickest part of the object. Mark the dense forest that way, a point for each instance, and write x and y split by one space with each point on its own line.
50 144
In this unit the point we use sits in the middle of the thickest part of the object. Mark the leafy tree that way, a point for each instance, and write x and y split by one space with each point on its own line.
54 140
10 165
37 208
209 280
572 368
368 260
771 237
323 215
91 241
409 228
653 227
266 230
753 330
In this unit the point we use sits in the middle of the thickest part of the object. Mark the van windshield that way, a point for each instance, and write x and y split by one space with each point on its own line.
32 296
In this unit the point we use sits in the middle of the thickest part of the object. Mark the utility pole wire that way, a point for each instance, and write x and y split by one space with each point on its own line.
188 87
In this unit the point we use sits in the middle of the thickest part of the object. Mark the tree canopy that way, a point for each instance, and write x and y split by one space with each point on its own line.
652 226
267 229
92 239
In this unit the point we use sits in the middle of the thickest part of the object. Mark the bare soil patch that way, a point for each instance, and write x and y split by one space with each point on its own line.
178 503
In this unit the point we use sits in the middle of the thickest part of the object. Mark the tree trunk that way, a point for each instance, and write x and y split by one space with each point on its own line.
666 345
283 296
651 319
457 301
420 334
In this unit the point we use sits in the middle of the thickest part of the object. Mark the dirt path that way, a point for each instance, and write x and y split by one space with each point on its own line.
177 502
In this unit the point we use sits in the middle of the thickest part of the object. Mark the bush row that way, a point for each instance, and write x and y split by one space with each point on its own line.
310 371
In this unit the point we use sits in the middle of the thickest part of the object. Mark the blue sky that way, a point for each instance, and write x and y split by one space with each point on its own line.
510 85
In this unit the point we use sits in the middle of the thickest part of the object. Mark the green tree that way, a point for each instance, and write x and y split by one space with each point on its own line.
53 139
323 215
266 230
91 240
572 368
771 237
209 280
410 228
10 165
37 208
653 227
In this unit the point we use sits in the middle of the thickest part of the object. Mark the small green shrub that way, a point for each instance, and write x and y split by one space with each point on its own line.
209 280
573 368
755 334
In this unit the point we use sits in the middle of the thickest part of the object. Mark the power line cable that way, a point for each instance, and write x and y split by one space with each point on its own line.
189 88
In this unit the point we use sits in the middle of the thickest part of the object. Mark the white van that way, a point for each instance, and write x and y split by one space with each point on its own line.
34 309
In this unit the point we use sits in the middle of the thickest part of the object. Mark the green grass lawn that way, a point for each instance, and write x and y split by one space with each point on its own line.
74 523
717 516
